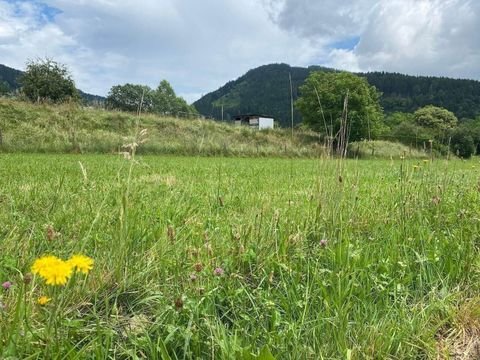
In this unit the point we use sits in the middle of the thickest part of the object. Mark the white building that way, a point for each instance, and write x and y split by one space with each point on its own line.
255 121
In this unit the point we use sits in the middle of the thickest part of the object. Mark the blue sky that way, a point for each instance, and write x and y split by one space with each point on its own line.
199 45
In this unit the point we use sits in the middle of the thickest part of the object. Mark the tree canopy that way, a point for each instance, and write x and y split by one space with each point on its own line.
266 90
162 100
128 97
435 118
321 104
4 87
45 79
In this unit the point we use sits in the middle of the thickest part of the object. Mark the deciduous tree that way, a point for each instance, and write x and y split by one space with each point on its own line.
322 104
45 79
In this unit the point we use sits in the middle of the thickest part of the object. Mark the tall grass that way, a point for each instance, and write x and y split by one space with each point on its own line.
235 258
70 129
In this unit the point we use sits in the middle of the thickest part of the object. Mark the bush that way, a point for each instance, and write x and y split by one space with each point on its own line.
462 143
48 80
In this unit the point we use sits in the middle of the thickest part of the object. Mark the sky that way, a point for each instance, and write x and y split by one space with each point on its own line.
200 45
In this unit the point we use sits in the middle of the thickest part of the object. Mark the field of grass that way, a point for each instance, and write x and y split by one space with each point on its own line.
26 127
228 258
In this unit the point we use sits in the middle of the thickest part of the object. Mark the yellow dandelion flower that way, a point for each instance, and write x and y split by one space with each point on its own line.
52 269
43 300
81 263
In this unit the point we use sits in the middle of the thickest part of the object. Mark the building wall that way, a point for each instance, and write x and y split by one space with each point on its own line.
265 123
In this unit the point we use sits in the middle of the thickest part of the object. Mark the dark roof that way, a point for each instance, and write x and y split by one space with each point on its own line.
252 115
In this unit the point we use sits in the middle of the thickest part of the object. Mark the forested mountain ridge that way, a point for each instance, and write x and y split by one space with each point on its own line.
9 82
266 89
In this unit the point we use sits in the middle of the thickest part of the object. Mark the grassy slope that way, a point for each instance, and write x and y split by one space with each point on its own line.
31 128
398 276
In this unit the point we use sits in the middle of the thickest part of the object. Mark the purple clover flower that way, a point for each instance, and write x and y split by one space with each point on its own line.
218 271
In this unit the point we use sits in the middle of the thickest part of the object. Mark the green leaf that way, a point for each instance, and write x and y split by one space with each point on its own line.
163 350
265 354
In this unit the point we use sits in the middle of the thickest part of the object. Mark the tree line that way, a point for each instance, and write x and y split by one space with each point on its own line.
342 105
46 80
266 89
162 100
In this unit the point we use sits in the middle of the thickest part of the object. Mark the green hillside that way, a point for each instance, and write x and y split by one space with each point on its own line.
26 127
266 89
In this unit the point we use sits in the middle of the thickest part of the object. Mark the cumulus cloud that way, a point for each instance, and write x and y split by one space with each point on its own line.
420 37
199 45
434 37
327 20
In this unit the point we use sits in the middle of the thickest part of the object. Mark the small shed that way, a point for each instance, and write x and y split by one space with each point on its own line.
255 121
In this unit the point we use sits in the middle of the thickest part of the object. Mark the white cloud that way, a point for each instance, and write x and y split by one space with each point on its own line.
421 37
199 45
433 37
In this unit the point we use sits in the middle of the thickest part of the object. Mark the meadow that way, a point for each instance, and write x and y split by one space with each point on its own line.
240 258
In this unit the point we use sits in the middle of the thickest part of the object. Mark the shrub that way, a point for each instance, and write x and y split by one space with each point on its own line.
462 143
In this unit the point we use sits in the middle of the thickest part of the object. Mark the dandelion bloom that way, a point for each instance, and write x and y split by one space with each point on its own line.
52 269
81 263
43 300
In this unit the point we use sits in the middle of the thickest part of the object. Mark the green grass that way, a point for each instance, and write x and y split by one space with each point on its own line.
397 274
69 129
379 149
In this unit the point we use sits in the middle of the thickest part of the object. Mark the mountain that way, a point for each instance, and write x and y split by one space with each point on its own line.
9 78
266 90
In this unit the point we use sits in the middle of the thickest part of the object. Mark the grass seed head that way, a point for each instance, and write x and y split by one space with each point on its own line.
171 233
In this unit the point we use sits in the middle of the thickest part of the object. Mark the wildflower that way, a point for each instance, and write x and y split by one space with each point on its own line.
193 277
52 269
51 233
198 267
179 303
81 263
323 242
7 285
218 271
27 278
43 300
